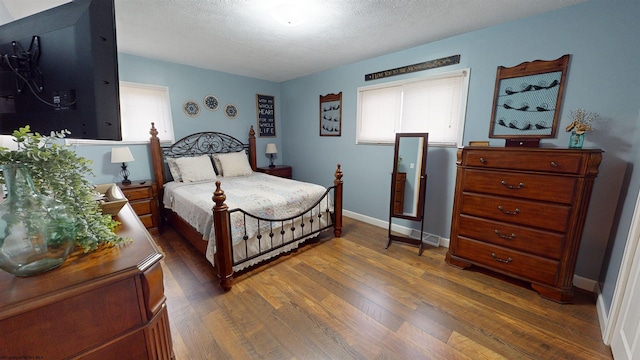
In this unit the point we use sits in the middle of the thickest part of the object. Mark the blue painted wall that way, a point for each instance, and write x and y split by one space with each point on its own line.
603 77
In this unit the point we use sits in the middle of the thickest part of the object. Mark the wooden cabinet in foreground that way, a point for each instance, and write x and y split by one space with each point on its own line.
107 304
521 212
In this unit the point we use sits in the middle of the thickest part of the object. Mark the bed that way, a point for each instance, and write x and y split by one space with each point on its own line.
237 217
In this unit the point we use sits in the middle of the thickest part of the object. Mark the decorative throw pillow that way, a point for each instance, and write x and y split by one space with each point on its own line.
235 164
197 168
217 167
174 169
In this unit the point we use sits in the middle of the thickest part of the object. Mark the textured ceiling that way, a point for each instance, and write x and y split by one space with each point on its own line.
241 37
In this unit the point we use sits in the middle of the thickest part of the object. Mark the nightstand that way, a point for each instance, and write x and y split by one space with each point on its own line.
283 171
143 197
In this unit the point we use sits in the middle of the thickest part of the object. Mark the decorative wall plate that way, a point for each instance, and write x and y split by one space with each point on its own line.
191 108
231 111
211 102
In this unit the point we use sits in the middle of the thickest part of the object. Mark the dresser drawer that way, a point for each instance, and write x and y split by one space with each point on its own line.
529 186
139 193
508 261
147 221
522 212
141 207
543 243
556 162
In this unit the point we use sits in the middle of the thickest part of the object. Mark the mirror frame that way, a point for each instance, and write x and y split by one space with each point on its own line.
422 174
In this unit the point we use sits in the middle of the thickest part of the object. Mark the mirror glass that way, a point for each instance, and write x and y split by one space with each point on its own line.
409 177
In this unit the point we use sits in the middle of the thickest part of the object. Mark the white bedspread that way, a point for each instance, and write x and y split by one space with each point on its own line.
262 195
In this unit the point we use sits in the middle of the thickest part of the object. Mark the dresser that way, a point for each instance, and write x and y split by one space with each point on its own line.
398 197
106 304
521 212
143 197
283 171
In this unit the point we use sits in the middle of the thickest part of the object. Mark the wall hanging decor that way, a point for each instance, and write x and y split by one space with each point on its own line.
191 108
231 111
211 102
527 101
266 112
331 114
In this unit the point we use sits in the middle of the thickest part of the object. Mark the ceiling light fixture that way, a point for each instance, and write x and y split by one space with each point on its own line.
289 13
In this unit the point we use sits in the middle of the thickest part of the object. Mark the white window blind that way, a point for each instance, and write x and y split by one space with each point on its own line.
142 104
434 104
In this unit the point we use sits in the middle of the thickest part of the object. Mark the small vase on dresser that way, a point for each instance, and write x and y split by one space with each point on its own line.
521 212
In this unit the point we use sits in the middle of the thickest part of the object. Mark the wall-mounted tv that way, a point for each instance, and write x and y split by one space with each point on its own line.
59 70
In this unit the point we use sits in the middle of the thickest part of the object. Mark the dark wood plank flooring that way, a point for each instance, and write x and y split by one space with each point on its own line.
350 298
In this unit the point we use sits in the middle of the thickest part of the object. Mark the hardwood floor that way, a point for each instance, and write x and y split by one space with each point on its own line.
349 298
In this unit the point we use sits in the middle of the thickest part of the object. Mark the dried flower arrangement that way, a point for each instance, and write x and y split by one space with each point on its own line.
582 121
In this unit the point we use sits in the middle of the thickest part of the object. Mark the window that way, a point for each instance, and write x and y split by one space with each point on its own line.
434 104
140 105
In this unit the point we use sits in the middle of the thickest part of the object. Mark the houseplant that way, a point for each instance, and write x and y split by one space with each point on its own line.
57 171
581 123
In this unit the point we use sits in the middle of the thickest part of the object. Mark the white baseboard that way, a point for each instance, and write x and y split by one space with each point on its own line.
578 281
603 316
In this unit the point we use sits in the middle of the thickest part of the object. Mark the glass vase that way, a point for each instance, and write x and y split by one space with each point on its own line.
576 140
36 232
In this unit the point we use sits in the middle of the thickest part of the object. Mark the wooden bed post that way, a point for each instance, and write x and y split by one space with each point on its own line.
224 264
337 202
157 164
252 149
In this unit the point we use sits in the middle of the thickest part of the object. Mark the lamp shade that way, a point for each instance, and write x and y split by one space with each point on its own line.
121 155
271 149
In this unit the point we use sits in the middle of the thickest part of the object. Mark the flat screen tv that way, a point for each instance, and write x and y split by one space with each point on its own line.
59 70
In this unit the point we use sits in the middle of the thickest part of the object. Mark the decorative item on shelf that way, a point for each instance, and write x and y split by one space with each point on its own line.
191 108
271 151
122 155
581 123
57 171
106 196
37 232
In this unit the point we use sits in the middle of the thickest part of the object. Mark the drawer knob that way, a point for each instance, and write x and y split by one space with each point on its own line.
503 236
483 160
505 184
504 211
554 164
506 261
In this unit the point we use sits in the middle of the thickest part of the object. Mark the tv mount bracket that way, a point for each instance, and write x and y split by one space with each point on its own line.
25 65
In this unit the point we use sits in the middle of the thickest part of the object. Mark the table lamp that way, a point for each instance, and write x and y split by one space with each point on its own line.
122 155
271 151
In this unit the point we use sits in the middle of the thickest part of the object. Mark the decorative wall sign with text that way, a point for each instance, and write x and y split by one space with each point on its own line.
266 111
331 114
451 60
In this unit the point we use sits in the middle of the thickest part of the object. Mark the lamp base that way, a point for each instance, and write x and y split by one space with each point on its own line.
272 166
126 182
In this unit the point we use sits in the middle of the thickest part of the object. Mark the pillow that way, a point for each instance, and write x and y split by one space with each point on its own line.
235 164
197 168
174 169
217 167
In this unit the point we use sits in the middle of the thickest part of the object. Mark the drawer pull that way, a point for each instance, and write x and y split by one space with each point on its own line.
554 164
482 160
506 261
503 236
515 212
505 184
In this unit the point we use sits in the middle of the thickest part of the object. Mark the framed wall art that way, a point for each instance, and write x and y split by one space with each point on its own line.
527 101
331 114
266 112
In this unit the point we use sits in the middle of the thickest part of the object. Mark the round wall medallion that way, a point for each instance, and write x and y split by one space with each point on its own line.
231 111
211 102
191 108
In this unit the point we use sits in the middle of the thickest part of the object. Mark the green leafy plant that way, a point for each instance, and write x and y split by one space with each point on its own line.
59 172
